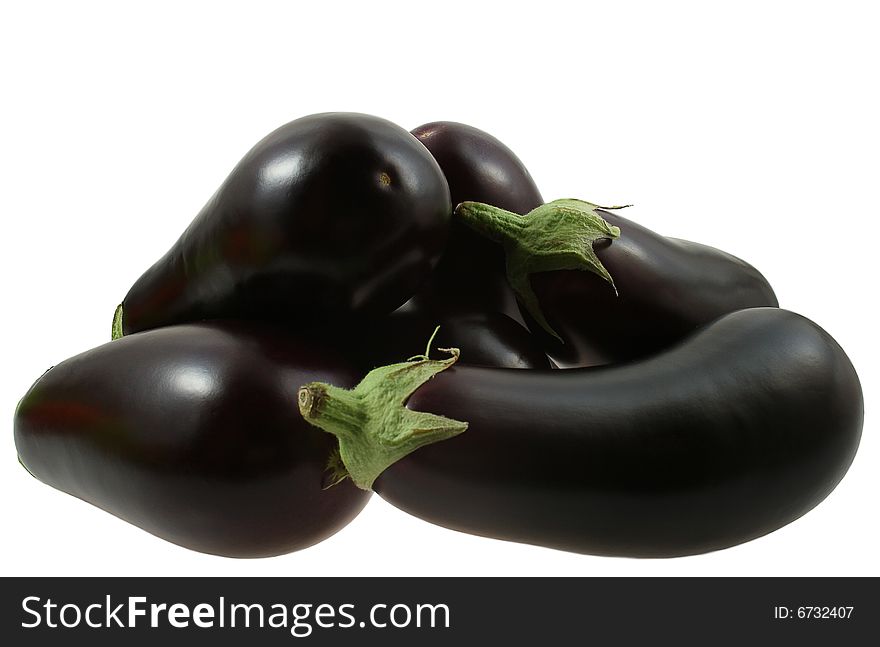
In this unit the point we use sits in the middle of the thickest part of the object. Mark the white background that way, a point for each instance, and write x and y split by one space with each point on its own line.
754 129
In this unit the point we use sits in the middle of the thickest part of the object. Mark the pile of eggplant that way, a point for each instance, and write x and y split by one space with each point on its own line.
588 385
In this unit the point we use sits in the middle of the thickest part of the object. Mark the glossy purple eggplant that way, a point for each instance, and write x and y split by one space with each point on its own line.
730 434
478 167
597 288
666 289
331 215
192 433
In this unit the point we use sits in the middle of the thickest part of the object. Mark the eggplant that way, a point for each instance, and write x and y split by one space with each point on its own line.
641 292
191 432
467 295
484 338
331 215
730 434
469 278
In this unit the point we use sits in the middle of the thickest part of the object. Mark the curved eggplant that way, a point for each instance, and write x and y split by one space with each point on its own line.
331 215
641 293
729 435
191 433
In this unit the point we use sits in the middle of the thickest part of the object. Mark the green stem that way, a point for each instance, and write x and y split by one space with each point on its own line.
427 353
371 421
494 223
116 330
558 235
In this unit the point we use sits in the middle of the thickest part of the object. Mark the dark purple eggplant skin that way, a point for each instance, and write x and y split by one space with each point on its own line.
729 435
470 276
666 289
192 433
484 339
331 215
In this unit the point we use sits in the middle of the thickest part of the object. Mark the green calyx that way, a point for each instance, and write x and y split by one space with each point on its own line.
116 330
558 235
371 421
